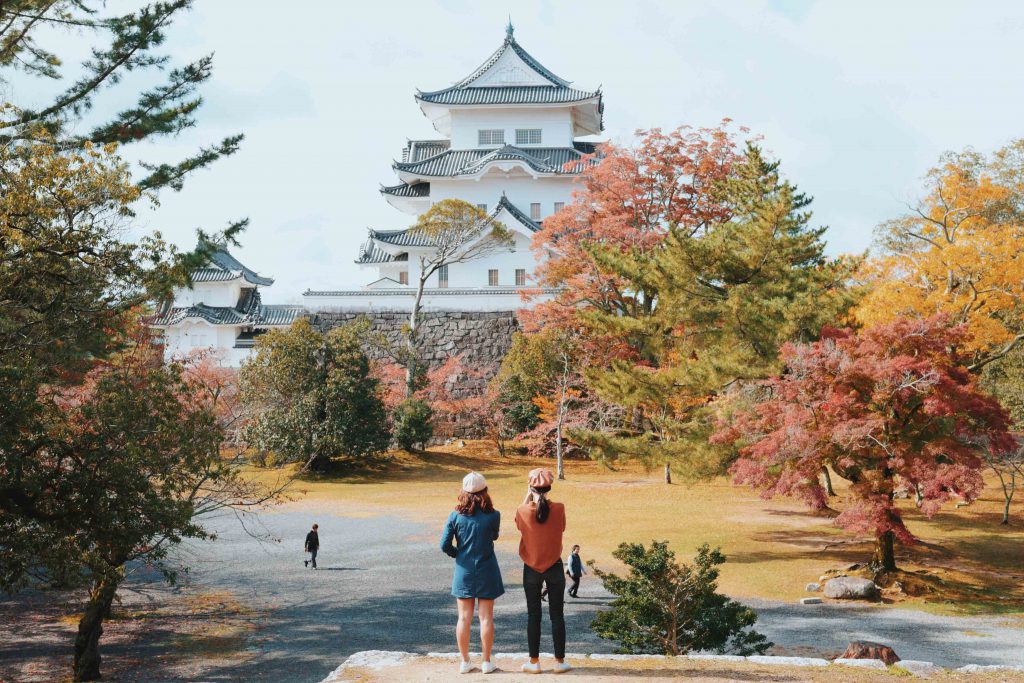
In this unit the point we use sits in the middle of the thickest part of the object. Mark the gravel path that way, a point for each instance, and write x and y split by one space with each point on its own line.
383 584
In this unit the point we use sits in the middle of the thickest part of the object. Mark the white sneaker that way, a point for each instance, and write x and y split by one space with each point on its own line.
465 667
487 667
531 668
561 667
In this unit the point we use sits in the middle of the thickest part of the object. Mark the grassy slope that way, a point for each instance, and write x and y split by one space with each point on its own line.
773 547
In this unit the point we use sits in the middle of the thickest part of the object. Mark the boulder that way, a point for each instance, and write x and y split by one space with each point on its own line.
863 649
812 587
877 664
851 588
918 668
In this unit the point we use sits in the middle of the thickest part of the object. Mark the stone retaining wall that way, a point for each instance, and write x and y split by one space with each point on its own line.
481 337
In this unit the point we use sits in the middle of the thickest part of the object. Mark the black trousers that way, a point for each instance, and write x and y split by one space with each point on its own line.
575 587
312 553
533 583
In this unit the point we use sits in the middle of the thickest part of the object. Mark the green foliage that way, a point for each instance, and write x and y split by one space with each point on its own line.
412 423
665 607
526 369
120 44
312 397
723 297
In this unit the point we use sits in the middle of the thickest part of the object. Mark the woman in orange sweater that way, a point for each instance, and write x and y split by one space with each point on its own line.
541 523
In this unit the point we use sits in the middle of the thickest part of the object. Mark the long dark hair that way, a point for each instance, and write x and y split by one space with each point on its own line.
543 506
469 503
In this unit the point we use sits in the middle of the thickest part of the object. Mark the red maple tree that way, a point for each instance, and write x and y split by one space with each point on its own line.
627 202
890 406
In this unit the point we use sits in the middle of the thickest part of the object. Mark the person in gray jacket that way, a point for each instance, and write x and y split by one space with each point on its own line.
575 570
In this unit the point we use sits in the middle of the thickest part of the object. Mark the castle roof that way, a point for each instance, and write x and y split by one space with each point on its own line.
512 76
371 252
224 267
456 162
258 316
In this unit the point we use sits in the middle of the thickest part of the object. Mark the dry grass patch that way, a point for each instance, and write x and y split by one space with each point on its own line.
967 562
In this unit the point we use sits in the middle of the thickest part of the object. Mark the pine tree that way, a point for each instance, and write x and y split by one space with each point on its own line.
720 298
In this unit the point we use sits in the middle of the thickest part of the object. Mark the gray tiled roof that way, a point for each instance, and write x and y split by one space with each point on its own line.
371 253
250 311
223 267
456 162
515 94
464 92
417 150
405 190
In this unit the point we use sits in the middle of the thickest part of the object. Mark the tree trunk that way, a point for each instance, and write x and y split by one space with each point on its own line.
828 480
410 340
559 447
918 495
668 473
885 557
86 663
1006 511
318 461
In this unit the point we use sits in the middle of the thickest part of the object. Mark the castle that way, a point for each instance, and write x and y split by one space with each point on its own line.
510 132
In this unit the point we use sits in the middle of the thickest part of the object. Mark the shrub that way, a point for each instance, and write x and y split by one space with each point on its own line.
412 423
665 607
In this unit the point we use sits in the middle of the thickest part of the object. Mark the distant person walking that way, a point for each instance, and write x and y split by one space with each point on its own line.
541 523
312 546
473 526
575 570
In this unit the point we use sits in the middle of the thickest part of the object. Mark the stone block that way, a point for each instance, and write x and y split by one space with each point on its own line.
918 668
861 663
811 601
787 661
851 588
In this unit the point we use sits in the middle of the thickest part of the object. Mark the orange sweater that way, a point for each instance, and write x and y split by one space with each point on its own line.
541 545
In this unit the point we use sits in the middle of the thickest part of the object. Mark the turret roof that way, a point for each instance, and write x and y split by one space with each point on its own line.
224 267
454 162
539 86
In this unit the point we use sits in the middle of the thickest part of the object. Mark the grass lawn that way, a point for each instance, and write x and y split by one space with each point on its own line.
966 563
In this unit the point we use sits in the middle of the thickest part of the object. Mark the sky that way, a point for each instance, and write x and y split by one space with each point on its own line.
858 100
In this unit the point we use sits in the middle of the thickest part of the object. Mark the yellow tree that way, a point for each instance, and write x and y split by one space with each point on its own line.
959 251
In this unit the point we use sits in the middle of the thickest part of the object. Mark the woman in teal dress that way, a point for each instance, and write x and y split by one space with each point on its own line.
469 537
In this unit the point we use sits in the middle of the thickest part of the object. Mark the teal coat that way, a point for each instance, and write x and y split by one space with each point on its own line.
477 574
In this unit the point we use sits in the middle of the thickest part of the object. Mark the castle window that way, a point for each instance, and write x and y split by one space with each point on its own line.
559 206
403 277
535 211
482 207
520 277
528 136
492 277
491 136
442 276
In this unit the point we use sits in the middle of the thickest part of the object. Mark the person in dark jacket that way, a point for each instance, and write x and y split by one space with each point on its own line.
312 545
575 570
469 536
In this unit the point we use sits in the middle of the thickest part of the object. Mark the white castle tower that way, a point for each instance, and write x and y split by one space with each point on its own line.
509 129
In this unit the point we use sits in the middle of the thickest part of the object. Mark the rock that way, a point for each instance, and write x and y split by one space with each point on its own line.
811 601
786 661
812 587
863 649
861 663
851 588
982 668
625 658
918 668
718 658
378 659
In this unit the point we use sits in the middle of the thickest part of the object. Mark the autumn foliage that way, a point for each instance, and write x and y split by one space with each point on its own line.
885 408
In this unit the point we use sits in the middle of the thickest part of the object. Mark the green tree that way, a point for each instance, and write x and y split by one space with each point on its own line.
665 607
312 397
721 298
454 232
412 423
123 44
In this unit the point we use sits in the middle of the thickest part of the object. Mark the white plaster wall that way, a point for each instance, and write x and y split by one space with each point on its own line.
520 191
198 335
432 301
209 293
555 124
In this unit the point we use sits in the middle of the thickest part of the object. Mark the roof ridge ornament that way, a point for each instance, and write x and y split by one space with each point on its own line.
509 29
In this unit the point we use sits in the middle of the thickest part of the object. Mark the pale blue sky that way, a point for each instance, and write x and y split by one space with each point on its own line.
857 98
